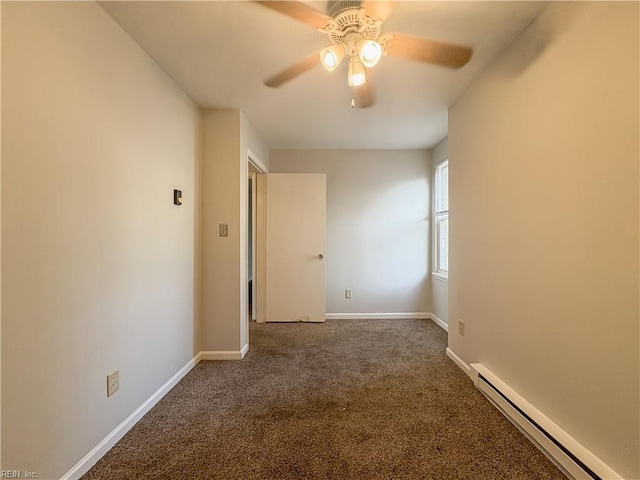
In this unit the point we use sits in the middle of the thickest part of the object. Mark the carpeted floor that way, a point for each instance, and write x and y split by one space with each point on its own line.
350 399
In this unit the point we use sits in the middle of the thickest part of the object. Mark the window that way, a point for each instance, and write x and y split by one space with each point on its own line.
441 219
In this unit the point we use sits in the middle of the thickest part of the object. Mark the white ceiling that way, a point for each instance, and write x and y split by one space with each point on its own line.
219 52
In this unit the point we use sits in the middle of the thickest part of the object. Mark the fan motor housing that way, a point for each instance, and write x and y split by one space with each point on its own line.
347 16
338 6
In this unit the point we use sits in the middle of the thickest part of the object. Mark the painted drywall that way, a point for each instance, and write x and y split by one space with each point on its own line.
227 134
439 286
97 263
544 153
377 225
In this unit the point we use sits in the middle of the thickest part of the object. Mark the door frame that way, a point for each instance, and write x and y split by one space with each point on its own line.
258 199
252 247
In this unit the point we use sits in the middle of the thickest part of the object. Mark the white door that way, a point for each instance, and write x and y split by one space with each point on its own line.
295 247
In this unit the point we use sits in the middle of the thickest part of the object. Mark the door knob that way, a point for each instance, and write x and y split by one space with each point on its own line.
320 256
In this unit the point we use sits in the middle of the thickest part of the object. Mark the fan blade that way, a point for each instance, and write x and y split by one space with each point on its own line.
428 51
299 11
365 95
293 71
379 9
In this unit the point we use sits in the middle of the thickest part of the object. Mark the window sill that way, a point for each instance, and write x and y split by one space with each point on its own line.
440 276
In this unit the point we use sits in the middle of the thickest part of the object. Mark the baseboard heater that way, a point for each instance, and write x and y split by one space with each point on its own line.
575 461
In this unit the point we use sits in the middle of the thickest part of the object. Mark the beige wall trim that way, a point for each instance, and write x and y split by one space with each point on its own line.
253 158
225 355
96 453
376 316
458 361
438 321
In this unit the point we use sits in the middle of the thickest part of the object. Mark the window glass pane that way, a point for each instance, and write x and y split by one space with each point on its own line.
445 186
443 243
442 187
438 190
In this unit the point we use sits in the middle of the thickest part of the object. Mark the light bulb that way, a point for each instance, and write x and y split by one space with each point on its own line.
330 60
358 79
369 52
331 57
357 75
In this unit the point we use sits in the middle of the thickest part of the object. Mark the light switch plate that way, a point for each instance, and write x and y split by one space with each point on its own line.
223 230
177 197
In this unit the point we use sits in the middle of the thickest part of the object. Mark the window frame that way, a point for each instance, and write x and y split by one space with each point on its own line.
440 216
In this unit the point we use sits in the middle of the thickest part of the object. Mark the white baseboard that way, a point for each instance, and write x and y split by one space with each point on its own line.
459 362
91 458
375 316
438 321
224 355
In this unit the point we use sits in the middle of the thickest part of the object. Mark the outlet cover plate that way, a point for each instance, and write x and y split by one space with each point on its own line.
113 383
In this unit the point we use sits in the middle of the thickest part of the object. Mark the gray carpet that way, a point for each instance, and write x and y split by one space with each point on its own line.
350 399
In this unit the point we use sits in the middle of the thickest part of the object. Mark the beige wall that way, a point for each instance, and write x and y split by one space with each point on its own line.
227 134
377 225
97 262
439 286
544 153
221 255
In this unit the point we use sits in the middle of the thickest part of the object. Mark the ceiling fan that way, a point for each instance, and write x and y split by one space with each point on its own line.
354 28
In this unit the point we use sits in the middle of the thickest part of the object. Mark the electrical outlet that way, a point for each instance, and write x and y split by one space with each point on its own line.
461 327
113 383
348 293
223 230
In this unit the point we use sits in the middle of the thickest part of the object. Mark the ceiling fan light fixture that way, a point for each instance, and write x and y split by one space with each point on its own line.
357 75
331 57
369 51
